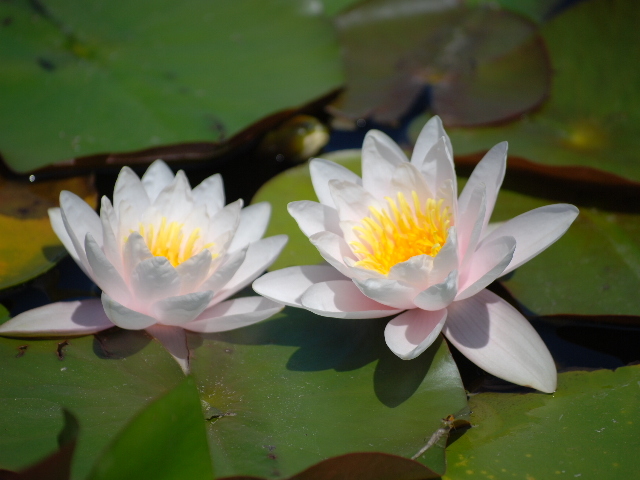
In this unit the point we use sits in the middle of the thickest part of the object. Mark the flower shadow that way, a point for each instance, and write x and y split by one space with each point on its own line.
116 343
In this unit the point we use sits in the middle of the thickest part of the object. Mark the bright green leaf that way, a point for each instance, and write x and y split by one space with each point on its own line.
165 441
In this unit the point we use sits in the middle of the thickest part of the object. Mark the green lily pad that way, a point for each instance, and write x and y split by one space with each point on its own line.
31 247
165 441
103 382
588 429
593 114
483 65
594 269
122 76
289 392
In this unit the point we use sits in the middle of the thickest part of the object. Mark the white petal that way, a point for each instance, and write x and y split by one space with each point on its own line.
210 192
135 251
437 167
129 188
389 292
438 296
470 223
415 271
79 317
535 231
125 317
55 217
333 249
174 340
157 176
287 285
175 201
490 172
224 272
430 134
233 314
352 201
194 271
254 220
380 157
153 279
447 258
494 336
342 299
110 243
79 219
322 172
487 264
313 217
412 332
260 255
181 309
226 220
105 274
407 179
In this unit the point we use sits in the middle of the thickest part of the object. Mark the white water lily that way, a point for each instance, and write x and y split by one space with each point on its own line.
400 242
166 258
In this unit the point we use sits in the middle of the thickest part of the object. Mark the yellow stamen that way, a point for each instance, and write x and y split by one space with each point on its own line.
401 231
167 241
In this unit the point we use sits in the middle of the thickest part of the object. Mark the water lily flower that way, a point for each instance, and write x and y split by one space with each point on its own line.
166 258
399 241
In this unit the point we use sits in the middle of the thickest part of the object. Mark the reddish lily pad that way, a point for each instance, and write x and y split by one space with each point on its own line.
29 247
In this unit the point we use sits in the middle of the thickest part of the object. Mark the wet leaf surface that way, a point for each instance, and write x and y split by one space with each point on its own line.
118 77
28 246
484 65
588 428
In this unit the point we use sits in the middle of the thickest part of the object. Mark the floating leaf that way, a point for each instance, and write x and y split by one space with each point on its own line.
28 246
299 388
484 65
589 428
167 440
122 76
592 117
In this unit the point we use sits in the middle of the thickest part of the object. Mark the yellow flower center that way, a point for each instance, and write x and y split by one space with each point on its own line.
167 241
402 231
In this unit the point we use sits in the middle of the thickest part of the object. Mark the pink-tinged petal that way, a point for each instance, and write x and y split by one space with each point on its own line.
534 231
352 201
210 192
79 219
175 201
497 338
438 296
182 309
254 220
153 279
157 176
407 179
342 299
438 169
322 172
430 134
333 249
233 314
128 188
110 244
380 157
447 258
313 217
124 317
105 274
226 220
287 285
174 340
135 251
224 271
490 172
470 223
79 317
260 256
412 332
387 291
194 271
55 217
486 265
